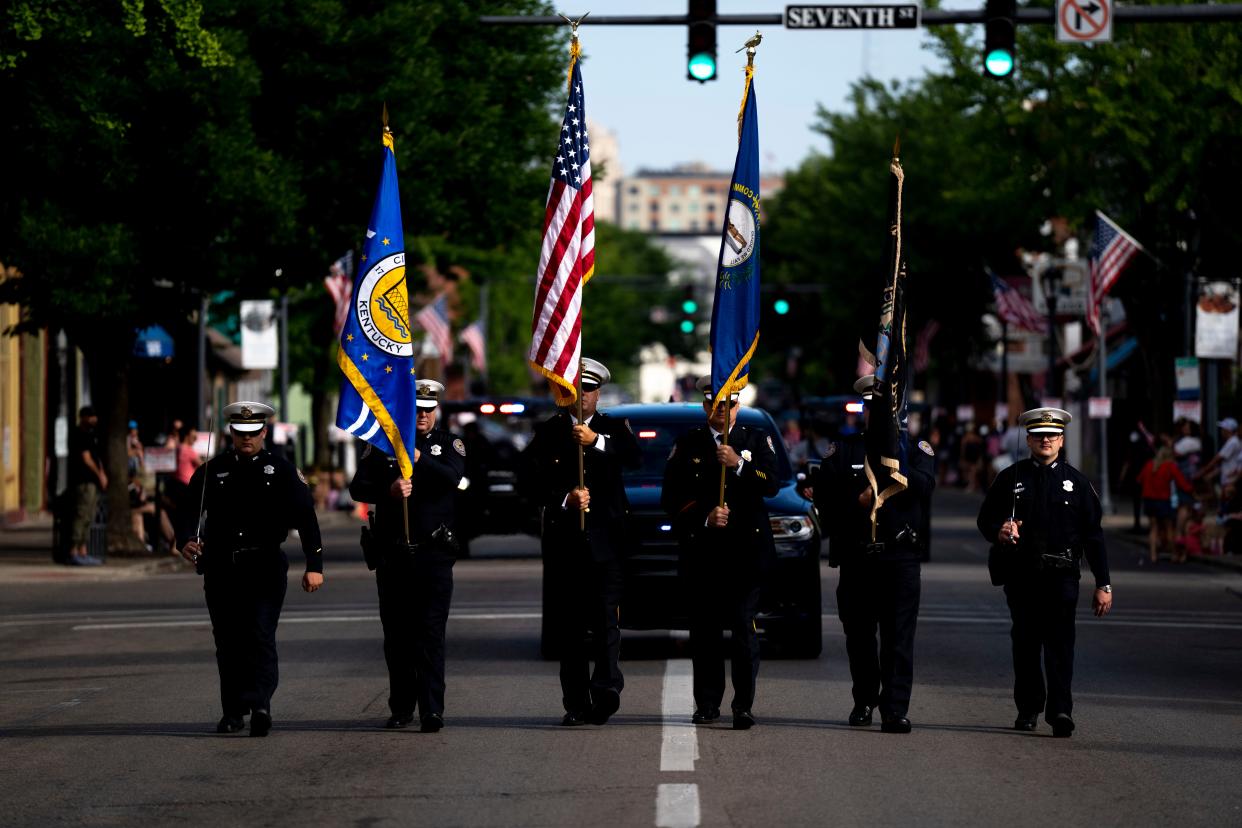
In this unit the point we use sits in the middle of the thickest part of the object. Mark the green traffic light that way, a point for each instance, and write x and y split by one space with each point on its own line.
999 63
689 306
781 306
687 326
702 67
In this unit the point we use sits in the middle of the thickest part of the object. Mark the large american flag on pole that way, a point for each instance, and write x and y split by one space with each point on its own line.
567 259
434 319
1014 308
1112 249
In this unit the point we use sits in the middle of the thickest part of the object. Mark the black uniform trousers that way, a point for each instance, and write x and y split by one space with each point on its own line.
588 629
245 594
880 591
1042 607
415 591
722 597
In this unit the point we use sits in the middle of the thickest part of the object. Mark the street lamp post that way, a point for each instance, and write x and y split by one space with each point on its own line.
1051 282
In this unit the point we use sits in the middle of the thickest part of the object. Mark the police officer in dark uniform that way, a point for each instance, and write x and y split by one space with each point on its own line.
1042 517
879 585
414 578
726 550
583 569
252 499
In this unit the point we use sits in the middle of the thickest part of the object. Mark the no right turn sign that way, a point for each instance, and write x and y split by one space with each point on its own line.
1084 21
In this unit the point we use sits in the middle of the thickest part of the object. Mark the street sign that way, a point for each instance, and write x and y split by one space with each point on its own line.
1084 21
1100 408
852 17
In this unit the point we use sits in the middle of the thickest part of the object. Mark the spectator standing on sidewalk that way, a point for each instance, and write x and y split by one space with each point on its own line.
1229 459
1156 480
87 479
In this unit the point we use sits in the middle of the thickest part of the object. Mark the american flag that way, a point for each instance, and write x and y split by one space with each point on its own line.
567 259
472 338
1014 308
340 285
922 345
434 320
1111 250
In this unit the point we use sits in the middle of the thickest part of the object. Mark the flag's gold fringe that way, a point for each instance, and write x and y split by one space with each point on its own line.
373 402
575 52
586 277
900 484
734 382
741 112
558 380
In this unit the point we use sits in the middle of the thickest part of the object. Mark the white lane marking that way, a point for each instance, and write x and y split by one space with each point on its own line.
680 746
677 805
308 619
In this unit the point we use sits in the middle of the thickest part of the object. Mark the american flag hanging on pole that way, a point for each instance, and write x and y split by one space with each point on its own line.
1014 308
434 319
567 258
340 285
1112 249
472 337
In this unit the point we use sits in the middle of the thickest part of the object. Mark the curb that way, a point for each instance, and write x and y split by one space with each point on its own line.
1230 562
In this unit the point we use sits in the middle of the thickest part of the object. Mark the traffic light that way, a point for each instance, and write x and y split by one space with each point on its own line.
781 306
689 307
701 41
998 37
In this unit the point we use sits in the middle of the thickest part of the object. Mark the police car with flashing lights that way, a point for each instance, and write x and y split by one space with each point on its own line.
655 598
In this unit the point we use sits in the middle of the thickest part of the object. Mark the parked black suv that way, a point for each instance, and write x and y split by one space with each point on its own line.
655 597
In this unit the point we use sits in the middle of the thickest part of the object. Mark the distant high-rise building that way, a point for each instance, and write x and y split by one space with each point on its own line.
606 170
689 198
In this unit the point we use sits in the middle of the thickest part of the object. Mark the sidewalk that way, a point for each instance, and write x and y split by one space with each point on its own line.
26 556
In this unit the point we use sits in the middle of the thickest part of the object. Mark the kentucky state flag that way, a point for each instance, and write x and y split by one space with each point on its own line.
735 311
377 350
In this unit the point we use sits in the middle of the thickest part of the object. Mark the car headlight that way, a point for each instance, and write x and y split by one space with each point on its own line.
792 527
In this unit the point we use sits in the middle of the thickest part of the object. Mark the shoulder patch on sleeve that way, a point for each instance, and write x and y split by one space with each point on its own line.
367 451
460 447
926 448
771 447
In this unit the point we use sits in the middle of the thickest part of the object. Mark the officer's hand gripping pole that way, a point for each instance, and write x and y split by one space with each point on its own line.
198 532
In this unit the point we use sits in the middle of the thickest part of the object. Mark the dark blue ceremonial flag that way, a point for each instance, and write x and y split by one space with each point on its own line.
735 311
377 349
885 440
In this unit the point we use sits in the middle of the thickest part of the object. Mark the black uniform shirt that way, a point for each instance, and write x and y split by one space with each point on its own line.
691 489
1066 523
842 478
252 503
438 474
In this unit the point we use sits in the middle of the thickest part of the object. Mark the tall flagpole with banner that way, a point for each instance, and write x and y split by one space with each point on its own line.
376 353
735 309
567 256
885 439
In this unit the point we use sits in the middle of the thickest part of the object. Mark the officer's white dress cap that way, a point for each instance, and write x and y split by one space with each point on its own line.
705 388
865 386
246 416
594 374
429 392
1045 420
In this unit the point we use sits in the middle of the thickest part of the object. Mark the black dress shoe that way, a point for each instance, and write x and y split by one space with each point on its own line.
1062 726
1026 722
398 721
230 724
860 716
742 720
606 703
432 723
895 724
260 723
573 719
705 715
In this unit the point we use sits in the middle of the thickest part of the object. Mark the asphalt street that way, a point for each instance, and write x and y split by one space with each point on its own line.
108 699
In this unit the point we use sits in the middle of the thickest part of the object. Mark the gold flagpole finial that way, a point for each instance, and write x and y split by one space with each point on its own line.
750 46
573 27
897 145
384 117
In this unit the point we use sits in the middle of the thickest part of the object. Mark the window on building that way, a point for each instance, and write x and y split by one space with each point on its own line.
674 190
674 208
633 189
694 190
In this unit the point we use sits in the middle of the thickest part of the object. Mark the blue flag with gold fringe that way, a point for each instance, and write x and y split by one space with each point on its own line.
735 311
376 351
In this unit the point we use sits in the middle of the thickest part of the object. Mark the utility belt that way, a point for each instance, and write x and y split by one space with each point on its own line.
377 551
907 541
904 541
240 556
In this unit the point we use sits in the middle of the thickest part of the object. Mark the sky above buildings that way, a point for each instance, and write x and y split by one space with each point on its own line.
635 78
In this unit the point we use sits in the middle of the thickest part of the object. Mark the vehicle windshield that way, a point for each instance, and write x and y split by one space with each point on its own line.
656 438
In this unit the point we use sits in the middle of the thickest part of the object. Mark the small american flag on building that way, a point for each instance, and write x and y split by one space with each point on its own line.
472 338
567 258
922 345
434 320
1014 308
1112 249
340 285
